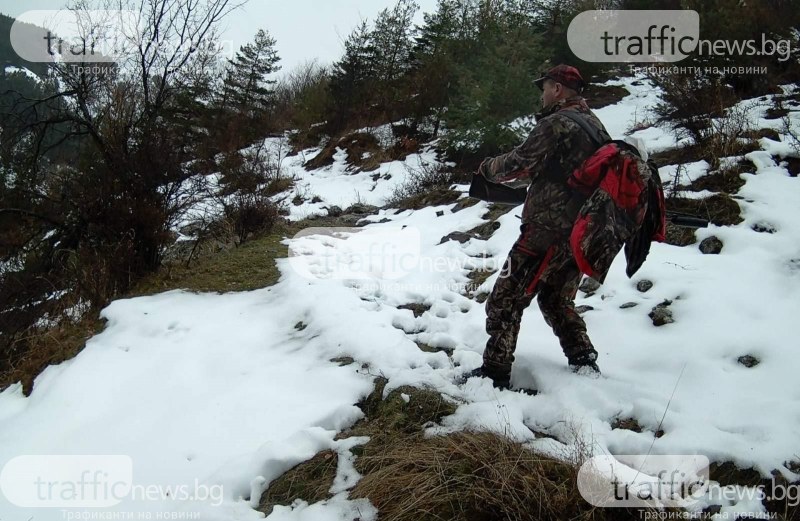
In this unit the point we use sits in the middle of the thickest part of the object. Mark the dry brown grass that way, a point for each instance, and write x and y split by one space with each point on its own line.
425 197
359 144
386 421
470 476
310 481
390 418
677 156
48 346
719 209
463 476
364 152
727 180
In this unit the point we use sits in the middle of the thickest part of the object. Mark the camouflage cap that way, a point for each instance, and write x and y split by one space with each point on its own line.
564 74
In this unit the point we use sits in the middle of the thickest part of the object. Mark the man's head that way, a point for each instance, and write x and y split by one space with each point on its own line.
561 81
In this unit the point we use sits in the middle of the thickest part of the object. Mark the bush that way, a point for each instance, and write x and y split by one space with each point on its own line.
425 185
729 135
690 101
790 130
707 112
241 206
250 214
301 99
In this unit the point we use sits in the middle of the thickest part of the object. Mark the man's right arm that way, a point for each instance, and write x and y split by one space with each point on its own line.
521 166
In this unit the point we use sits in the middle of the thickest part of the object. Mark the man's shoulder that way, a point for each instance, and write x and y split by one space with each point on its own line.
581 109
562 119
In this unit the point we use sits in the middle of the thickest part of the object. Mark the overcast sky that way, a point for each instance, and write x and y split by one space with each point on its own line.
304 29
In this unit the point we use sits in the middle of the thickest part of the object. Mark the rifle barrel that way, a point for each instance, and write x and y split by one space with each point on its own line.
687 221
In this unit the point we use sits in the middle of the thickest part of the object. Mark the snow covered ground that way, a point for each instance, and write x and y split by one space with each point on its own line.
228 391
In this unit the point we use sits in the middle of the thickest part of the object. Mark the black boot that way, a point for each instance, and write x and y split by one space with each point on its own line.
584 363
500 379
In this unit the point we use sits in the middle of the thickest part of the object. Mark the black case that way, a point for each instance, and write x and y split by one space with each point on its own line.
485 190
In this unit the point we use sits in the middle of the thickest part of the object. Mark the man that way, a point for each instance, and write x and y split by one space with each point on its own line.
540 261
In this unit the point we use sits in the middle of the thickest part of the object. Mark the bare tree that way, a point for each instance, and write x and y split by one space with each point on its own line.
103 161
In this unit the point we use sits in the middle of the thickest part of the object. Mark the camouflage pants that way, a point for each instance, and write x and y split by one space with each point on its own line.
553 276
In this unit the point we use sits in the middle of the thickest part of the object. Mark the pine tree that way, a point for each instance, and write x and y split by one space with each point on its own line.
392 41
433 63
495 78
247 88
351 77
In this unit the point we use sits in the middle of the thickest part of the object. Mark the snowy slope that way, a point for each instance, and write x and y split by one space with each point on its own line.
11 69
231 390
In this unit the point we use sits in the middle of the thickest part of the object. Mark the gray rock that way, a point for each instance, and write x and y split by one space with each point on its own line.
628 305
343 360
748 360
764 227
644 285
680 236
432 349
589 285
661 314
334 211
466 202
583 309
711 245
439 213
361 209
417 308
461 237
485 230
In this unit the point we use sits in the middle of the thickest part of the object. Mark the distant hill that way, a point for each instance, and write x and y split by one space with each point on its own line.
7 54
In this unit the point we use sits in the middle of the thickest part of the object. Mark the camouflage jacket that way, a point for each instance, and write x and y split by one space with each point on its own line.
555 147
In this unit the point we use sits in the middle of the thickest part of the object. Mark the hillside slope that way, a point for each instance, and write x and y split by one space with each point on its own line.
234 389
